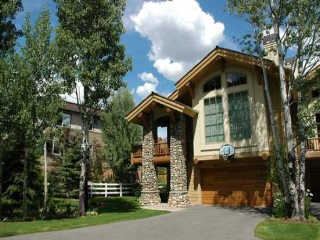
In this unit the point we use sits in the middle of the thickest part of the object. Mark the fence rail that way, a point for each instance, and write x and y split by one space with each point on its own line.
108 189
313 144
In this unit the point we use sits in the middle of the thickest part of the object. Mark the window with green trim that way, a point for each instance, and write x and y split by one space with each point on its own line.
213 109
239 115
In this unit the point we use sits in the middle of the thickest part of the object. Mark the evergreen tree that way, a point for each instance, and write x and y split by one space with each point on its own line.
120 136
8 36
90 53
33 98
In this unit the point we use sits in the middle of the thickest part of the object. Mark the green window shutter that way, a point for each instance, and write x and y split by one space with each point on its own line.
239 114
214 128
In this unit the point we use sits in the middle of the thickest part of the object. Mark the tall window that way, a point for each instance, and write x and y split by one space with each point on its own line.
213 84
239 115
235 79
214 119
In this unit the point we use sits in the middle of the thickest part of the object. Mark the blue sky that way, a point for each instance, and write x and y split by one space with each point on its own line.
165 38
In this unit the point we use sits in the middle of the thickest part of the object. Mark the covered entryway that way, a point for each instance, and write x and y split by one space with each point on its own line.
151 113
238 183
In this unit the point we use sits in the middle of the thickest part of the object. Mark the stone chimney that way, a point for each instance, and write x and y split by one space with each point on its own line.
270 46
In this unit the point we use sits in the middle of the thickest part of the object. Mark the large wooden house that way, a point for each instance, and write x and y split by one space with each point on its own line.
220 101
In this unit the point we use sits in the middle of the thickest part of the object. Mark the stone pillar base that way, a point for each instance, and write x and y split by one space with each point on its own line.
150 198
179 200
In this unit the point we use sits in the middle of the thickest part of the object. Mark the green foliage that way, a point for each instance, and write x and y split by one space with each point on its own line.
66 179
30 102
62 208
8 31
283 230
88 39
13 180
279 207
90 53
120 136
110 210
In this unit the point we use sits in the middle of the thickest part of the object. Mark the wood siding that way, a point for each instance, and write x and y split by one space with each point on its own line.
236 184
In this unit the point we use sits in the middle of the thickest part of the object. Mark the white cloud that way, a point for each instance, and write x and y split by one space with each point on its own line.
181 33
150 84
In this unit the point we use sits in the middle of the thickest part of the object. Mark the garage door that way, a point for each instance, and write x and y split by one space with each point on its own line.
236 185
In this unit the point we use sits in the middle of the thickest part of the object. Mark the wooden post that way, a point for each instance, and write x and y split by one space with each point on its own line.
106 190
120 189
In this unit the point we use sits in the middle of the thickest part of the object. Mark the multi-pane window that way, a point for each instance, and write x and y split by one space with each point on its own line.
213 84
65 120
235 79
214 119
239 115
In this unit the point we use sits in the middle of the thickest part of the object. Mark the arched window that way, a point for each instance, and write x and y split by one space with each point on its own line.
235 79
212 84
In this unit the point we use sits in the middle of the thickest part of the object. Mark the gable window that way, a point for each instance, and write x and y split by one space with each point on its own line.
214 119
65 120
213 84
235 79
239 115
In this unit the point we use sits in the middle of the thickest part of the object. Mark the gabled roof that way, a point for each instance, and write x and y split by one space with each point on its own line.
218 53
156 98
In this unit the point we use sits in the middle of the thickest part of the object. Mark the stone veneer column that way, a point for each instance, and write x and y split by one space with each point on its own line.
150 191
178 196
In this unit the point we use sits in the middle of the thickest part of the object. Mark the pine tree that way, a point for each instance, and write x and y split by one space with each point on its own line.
120 136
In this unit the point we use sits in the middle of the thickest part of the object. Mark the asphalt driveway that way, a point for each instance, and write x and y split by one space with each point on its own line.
195 223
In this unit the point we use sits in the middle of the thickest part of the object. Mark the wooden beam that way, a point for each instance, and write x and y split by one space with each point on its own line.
259 75
190 88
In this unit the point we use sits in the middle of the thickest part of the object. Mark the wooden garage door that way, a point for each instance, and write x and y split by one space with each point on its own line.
236 185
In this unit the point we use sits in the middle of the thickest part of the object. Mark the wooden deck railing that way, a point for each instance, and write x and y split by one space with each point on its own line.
313 144
160 149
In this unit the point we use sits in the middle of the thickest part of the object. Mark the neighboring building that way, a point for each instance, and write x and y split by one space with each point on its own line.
71 123
219 101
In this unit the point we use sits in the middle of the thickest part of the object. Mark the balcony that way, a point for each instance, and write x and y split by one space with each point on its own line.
161 154
313 148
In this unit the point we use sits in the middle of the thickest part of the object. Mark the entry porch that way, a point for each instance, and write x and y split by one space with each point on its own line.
157 111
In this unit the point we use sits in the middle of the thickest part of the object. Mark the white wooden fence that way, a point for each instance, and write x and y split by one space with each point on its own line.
107 189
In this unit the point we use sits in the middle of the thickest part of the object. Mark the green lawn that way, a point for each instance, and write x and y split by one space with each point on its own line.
280 230
109 209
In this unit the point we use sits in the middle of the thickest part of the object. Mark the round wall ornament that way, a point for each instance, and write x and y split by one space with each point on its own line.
227 151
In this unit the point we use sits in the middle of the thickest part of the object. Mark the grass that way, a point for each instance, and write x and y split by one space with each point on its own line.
283 230
109 209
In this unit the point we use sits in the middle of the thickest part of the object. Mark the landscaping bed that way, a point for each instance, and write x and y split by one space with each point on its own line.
101 210
276 229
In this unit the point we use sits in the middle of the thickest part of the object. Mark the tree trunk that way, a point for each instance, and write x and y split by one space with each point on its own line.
83 192
275 135
25 185
285 102
302 186
45 180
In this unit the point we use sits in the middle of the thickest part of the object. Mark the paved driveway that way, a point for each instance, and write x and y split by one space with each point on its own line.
195 223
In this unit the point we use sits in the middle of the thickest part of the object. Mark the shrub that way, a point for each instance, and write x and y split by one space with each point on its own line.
279 207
